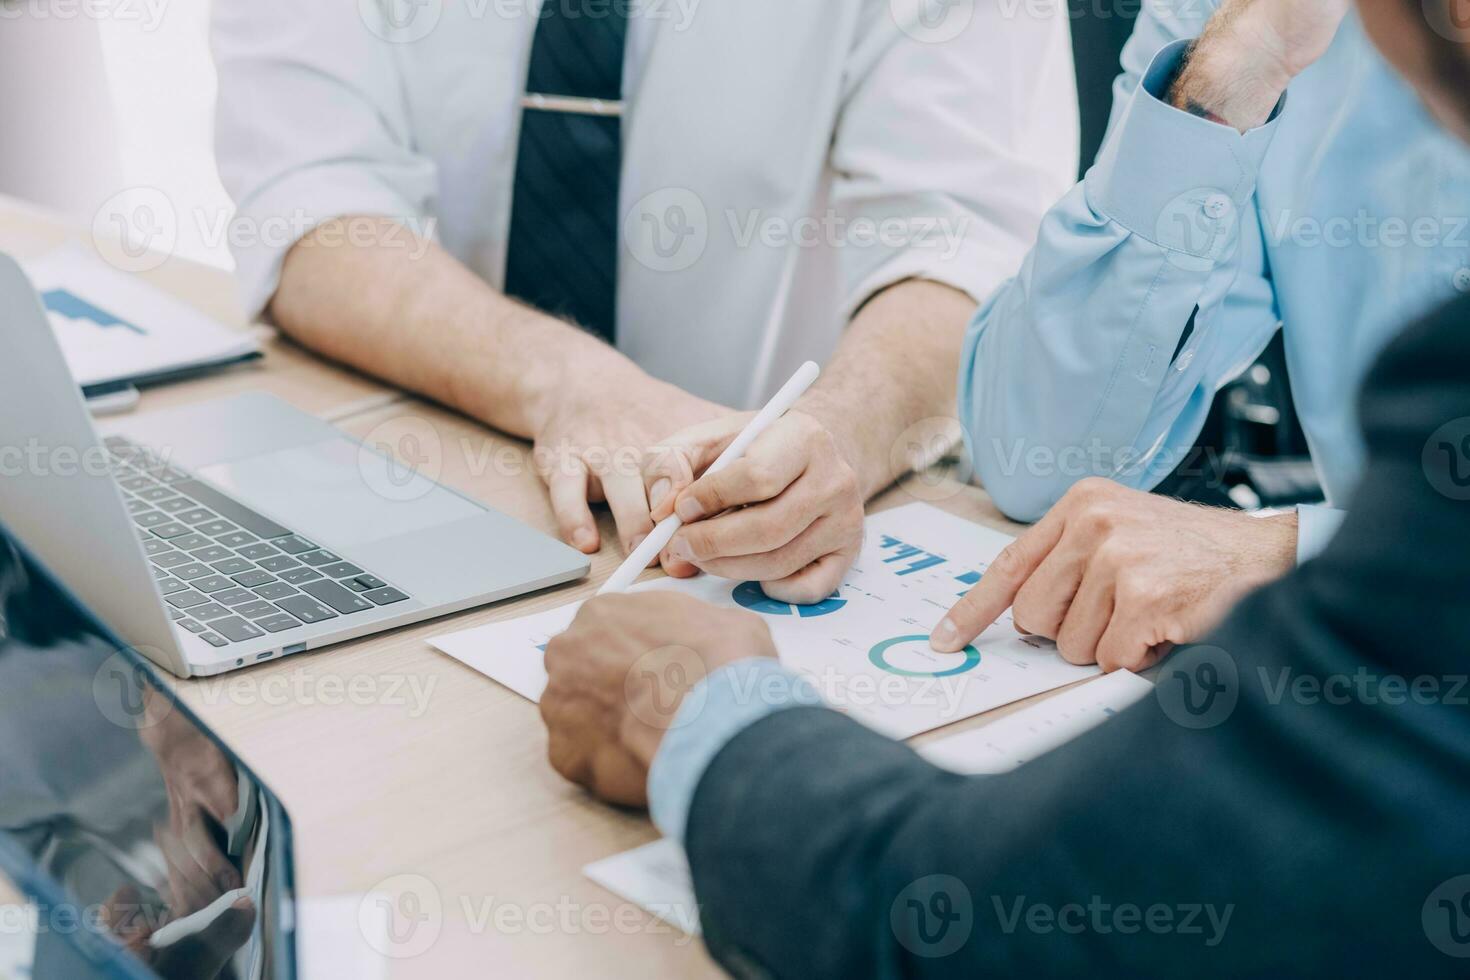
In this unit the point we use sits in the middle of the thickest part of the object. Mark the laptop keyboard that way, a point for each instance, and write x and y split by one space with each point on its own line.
227 573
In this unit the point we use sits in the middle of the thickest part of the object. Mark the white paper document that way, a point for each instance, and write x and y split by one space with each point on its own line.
114 327
1018 738
656 878
865 650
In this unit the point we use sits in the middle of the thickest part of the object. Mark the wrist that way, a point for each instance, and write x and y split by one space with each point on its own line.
1271 550
1229 81
836 416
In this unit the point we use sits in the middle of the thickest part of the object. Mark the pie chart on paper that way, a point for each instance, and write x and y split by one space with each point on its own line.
749 595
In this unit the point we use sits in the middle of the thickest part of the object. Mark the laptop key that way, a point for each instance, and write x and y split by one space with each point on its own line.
306 609
365 582
157 549
212 583
253 578
298 575
236 628
386 596
294 545
280 621
160 573
232 566
275 590
190 541
150 518
174 504
213 639
184 600
136 506
277 563
172 529
233 597
175 615
255 552
337 597
212 553
210 610
256 609
215 528
136 483
192 626
341 569
319 557
197 515
191 571
256 524
235 539
170 585
155 493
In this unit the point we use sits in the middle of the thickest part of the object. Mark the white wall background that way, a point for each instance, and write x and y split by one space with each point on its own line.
122 105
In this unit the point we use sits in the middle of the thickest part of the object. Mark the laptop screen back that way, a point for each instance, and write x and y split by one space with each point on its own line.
131 842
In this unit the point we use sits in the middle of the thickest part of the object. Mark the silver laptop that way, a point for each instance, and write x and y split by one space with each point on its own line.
240 530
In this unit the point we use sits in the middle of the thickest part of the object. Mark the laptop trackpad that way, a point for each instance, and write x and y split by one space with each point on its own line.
341 492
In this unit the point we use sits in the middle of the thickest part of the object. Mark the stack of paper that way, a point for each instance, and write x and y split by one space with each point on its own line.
117 329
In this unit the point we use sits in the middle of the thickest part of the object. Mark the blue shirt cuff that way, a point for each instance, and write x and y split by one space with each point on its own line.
714 711
1174 178
1315 526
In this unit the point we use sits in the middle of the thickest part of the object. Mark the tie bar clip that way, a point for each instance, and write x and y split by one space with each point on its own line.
571 105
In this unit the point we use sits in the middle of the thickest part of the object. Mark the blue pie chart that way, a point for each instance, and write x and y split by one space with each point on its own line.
880 658
749 595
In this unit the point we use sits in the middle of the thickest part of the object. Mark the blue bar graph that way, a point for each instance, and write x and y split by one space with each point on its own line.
73 307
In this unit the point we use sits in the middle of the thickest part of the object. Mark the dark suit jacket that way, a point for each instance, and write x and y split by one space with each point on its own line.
1331 823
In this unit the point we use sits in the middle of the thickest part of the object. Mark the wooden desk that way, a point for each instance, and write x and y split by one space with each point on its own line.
455 790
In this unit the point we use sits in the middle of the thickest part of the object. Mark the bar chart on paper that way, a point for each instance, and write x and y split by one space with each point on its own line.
865 649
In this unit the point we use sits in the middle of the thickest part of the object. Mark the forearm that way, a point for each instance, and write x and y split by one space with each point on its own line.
417 318
896 365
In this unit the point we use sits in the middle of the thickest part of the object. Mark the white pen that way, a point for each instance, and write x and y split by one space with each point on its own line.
661 535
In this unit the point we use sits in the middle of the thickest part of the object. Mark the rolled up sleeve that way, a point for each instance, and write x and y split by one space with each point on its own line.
1102 356
949 149
310 126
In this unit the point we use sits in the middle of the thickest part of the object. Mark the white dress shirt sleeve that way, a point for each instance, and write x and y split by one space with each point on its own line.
310 126
949 149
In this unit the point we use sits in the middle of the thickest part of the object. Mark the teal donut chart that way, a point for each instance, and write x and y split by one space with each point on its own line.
972 658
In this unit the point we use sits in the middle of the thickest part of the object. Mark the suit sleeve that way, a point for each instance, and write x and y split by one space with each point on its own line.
1292 802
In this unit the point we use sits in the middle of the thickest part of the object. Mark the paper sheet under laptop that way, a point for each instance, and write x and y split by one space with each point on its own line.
115 328
656 876
865 649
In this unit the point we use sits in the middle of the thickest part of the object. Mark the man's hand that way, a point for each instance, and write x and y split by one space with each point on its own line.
1249 52
788 514
1119 576
619 675
593 440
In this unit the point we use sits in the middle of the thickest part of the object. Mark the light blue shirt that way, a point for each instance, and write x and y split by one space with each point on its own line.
1343 218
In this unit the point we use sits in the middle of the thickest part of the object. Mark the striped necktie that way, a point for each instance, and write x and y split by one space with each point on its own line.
563 248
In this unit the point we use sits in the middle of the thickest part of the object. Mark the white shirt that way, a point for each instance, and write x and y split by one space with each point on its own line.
784 160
